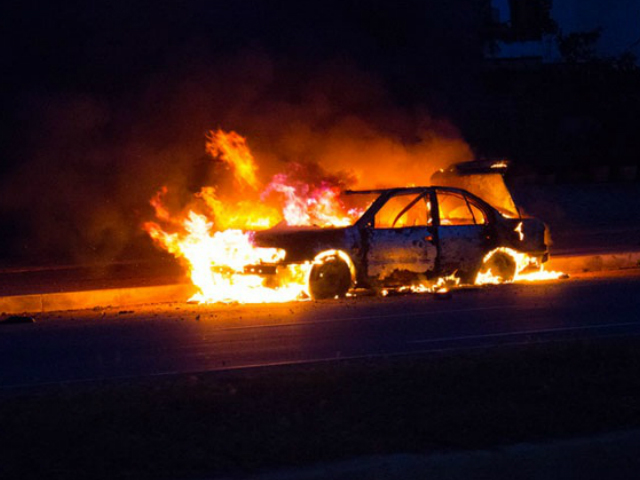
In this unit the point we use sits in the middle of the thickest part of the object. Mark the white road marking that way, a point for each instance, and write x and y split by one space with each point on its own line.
372 317
526 332
260 365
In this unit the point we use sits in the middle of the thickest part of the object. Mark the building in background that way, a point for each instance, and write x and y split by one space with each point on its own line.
560 87
529 29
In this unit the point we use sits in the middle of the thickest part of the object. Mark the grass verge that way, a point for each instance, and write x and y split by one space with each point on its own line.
248 420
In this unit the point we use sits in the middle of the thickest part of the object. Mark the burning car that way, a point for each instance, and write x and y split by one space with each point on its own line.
465 225
299 236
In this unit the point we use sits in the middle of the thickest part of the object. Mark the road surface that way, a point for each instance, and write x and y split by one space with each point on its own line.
178 338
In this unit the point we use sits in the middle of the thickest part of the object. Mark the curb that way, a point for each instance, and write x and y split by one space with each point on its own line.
122 297
594 262
117 297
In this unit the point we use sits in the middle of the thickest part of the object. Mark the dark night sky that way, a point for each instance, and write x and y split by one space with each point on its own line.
424 54
54 45
102 102
110 47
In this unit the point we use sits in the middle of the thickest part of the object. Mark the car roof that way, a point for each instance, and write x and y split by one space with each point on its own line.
385 193
380 191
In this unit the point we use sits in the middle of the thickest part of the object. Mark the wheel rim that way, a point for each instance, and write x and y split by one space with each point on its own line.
329 279
501 265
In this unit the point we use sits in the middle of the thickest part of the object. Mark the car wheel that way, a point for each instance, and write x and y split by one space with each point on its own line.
502 266
329 279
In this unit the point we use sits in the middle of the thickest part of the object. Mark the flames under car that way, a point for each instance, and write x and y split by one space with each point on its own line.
415 235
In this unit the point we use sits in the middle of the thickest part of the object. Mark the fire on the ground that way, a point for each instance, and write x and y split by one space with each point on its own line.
293 239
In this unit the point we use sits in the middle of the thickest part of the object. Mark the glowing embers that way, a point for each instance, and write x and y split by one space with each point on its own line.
441 285
444 284
505 265
499 266
500 165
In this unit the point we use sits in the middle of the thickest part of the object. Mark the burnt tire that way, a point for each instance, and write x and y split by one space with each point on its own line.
501 265
329 279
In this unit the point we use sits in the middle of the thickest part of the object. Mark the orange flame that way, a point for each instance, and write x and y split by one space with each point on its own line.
162 213
218 246
308 205
233 149
528 269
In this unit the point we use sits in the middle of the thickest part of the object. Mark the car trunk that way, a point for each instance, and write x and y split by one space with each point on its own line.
483 179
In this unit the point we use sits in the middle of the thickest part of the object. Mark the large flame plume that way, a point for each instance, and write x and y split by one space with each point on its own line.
214 235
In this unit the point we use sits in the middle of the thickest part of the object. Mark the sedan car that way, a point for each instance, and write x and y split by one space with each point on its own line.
410 236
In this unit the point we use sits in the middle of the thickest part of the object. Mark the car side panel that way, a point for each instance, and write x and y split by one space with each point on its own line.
462 247
399 250
527 235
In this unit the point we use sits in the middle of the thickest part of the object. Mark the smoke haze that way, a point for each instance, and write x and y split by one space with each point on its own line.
92 162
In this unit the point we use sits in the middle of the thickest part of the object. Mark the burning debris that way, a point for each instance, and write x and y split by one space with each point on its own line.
297 236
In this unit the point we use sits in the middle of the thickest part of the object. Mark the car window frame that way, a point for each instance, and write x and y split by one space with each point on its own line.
418 196
469 199
367 220
409 206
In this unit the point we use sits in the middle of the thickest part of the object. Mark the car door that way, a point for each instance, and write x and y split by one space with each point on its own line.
400 241
463 232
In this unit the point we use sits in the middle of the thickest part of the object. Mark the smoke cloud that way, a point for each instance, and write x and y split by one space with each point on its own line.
91 163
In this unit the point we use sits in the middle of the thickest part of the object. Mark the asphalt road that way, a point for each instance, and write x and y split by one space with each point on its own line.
179 338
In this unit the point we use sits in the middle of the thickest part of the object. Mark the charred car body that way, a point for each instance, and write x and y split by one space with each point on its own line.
415 235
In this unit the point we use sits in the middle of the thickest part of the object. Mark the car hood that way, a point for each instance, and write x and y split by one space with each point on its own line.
304 243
